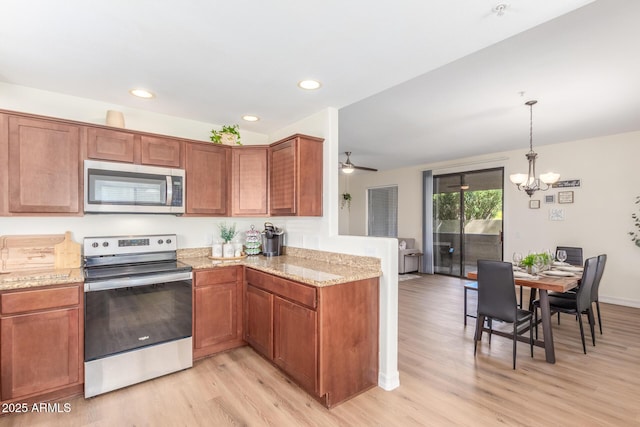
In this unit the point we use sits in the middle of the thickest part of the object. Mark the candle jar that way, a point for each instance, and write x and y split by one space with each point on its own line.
228 250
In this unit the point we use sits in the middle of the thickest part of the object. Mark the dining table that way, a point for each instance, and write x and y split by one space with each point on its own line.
543 284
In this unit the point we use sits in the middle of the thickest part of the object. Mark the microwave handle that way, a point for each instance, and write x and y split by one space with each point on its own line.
169 190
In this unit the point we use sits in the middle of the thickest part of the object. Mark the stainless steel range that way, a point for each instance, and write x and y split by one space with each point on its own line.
137 311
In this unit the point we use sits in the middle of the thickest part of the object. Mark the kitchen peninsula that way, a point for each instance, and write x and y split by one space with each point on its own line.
313 314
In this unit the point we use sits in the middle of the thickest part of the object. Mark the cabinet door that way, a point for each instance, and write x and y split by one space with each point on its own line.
40 352
216 317
295 341
296 176
249 185
207 168
107 144
284 186
258 330
309 178
160 151
44 166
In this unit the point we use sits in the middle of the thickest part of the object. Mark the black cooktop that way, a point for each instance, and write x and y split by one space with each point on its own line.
126 270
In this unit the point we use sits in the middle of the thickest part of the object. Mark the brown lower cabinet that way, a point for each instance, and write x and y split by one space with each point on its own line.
217 310
324 338
41 346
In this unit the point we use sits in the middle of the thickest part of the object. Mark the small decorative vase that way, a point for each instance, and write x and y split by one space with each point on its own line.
228 250
216 250
228 138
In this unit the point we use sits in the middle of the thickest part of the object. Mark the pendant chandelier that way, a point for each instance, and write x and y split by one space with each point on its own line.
529 183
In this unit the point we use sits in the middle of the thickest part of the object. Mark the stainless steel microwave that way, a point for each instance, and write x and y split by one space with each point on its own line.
127 188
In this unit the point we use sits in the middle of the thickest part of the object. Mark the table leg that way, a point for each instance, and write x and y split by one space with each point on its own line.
549 351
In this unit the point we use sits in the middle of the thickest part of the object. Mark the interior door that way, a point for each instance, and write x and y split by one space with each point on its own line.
467 220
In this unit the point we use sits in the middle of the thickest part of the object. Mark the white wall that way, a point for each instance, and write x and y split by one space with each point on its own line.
45 103
598 221
311 233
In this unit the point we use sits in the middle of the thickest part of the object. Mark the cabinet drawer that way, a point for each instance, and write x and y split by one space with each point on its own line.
297 292
41 299
258 279
216 275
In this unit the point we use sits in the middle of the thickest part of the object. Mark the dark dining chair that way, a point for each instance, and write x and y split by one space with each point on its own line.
497 300
579 305
574 254
595 289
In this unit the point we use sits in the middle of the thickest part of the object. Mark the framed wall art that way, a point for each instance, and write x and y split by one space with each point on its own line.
534 204
565 196
550 198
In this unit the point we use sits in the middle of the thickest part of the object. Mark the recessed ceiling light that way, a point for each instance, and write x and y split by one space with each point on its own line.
309 84
141 93
250 118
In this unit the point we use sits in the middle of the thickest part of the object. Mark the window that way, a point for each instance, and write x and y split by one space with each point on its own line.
382 212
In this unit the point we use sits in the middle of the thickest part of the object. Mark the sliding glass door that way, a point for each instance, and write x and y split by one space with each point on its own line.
467 220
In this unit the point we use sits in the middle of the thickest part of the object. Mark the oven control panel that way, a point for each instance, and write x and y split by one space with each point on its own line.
115 245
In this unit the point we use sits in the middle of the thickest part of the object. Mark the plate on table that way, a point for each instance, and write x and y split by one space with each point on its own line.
558 273
561 264
523 275
570 268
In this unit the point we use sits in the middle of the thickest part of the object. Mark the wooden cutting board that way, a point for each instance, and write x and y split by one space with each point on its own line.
67 253
28 252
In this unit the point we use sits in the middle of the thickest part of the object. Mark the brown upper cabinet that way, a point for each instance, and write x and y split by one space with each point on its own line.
207 171
123 146
41 168
44 164
250 181
107 144
160 151
296 176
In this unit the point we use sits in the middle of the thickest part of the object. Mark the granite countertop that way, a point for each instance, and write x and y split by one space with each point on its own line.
310 271
37 278
316 268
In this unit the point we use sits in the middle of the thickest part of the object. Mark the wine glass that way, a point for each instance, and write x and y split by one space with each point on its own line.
517 258
538 260
561 255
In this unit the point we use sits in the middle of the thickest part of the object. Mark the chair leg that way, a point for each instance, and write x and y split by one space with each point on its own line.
465 306
584 346
535 313
489 321
558 318
531 334
599 318
592 324
515 340
478 335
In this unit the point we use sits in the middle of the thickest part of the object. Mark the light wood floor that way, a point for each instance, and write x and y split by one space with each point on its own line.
441 382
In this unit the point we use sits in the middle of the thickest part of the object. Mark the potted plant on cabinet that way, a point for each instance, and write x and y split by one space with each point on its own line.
228 135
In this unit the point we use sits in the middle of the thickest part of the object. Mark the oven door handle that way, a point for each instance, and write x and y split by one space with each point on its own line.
127 282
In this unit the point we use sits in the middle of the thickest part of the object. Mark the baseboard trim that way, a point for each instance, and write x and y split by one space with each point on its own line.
620 301
389 382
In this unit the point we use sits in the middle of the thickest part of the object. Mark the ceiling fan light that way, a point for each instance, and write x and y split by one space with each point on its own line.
347 169
549 177
518 178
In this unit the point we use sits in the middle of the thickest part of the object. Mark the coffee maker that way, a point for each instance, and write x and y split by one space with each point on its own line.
272 239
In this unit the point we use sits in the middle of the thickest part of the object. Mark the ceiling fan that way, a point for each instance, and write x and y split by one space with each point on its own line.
463 185
348 167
